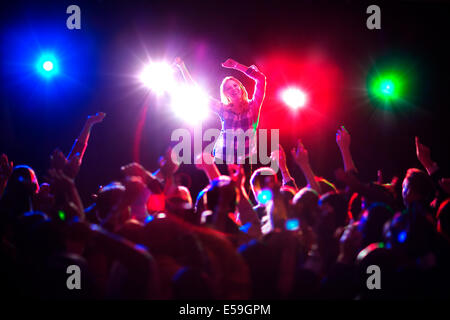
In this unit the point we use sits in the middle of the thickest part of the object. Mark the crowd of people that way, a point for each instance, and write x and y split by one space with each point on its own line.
147 237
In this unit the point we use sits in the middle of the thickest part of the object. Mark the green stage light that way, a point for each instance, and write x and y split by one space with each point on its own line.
393 83
387 87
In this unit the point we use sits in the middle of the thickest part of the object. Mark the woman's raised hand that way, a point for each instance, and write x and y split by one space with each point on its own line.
230 63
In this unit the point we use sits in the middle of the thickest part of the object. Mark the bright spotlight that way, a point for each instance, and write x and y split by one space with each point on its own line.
388 87
158 77
190 103
294 97
47 66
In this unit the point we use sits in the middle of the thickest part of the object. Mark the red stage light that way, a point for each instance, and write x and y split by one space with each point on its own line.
294 97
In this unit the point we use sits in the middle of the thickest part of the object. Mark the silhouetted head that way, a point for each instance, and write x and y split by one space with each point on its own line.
24 179
334 209
306 206
372 222
108 196
179 201
22 186
411 232
221 187
417 186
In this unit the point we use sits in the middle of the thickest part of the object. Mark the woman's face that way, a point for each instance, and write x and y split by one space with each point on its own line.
232 89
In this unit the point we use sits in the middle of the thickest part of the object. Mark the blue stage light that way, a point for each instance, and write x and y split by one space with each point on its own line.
47 66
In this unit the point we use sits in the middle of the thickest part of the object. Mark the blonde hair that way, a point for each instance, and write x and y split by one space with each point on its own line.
225 99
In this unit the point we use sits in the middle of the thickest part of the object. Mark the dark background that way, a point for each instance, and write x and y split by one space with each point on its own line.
323 44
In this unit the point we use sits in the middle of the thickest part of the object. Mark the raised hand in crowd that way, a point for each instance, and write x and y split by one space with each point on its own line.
136 169
343 141
96 118
205 162
66 194
424 156
168 165
279 156
70 166
244 206
80 144
301 157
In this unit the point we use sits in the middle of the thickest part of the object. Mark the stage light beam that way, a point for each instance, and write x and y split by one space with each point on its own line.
190 103
294 97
